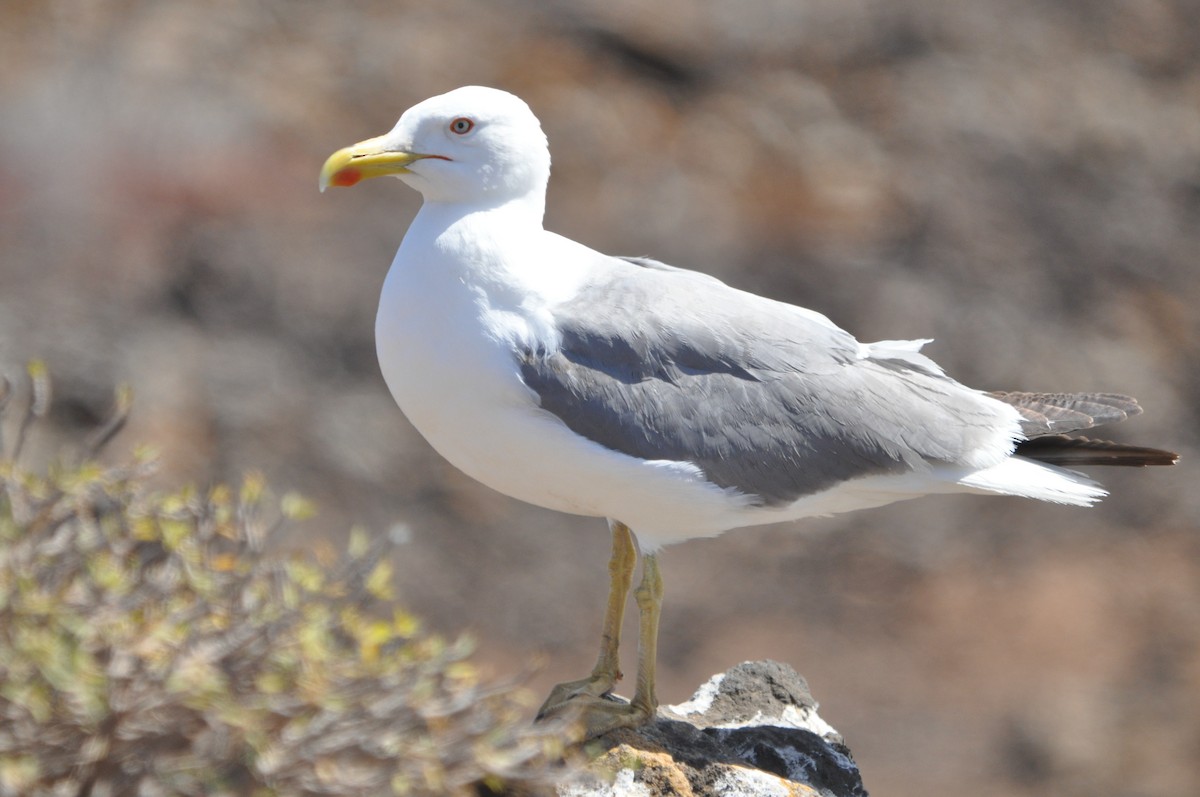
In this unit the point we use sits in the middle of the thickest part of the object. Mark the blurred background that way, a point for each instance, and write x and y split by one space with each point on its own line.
1018 180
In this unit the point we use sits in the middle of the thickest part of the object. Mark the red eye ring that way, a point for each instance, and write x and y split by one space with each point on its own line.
461 126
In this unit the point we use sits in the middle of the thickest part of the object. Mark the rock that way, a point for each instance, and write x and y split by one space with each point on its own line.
750 732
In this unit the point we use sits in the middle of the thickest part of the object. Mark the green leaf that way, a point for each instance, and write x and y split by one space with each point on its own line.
296 507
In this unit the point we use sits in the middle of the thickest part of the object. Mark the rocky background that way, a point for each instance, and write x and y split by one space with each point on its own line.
1019 180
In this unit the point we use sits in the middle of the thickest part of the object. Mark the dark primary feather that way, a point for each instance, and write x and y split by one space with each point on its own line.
663 363
1060 413
1047 418
1067 451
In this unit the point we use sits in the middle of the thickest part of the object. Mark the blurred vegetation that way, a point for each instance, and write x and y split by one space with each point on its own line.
155 644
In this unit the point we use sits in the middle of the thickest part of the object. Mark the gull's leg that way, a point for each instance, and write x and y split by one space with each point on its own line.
599 715
649 595
608 666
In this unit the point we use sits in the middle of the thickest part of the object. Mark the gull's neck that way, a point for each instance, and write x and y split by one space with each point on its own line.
481 221
492 247
492 264
524 212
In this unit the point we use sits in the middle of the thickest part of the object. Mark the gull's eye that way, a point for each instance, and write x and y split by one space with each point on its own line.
461 126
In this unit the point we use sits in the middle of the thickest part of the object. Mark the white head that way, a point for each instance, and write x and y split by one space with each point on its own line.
473 145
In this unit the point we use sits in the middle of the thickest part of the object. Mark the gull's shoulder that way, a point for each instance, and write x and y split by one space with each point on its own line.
657 266
681 296
608 270
638 292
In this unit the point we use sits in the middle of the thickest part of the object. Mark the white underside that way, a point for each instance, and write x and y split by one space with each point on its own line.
446 345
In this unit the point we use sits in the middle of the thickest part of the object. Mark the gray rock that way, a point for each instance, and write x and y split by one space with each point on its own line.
753 730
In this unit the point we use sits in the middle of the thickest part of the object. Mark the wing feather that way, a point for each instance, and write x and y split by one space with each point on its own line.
764 397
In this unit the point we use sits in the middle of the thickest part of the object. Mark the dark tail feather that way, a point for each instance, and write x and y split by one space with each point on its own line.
1068 451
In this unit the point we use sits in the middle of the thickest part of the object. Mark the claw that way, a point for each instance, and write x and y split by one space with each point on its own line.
598 714
594 686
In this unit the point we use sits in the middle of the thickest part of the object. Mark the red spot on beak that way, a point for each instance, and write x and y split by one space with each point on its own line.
346 177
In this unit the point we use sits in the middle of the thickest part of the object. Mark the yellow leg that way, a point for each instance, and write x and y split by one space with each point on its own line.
620 575
584 699
607 671
649 597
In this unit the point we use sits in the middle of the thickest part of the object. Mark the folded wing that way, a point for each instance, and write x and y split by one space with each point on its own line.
764 397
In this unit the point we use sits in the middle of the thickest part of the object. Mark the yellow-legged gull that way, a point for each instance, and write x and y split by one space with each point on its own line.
657 397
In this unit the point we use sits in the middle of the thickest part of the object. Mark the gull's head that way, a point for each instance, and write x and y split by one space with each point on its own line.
471 145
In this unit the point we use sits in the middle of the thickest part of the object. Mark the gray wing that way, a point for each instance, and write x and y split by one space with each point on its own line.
666 364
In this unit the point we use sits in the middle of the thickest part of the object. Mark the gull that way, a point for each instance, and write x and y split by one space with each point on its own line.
660 398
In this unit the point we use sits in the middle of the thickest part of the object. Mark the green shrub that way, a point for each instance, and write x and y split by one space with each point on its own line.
153 644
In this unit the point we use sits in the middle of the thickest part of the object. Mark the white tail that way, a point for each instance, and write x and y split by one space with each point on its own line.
1029 479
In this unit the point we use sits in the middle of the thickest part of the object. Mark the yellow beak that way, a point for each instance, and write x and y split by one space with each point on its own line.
365 159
